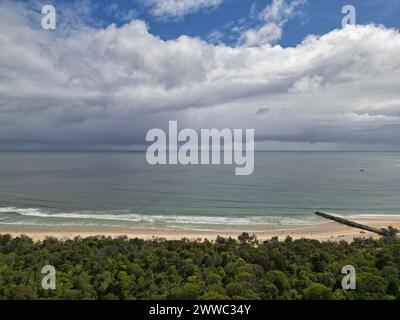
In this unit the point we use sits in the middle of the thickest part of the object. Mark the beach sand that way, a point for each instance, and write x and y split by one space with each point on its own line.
329 231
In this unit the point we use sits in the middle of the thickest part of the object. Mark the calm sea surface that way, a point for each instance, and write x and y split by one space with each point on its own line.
120 188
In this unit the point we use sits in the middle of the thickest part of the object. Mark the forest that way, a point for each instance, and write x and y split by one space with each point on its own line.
240 269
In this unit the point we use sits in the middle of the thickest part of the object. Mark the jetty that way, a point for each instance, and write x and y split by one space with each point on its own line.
383 232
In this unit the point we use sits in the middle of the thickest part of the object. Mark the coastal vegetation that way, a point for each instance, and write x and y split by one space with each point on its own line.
105 268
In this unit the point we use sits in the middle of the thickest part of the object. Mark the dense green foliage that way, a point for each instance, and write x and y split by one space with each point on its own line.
104 268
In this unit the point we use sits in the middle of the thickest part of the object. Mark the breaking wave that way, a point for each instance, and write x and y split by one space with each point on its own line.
127 216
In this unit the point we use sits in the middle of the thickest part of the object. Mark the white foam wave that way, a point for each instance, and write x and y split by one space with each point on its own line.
375 216
168 219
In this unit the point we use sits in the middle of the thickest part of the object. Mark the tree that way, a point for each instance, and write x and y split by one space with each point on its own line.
241 291
21 292
105 268
188 291
279 279
317 291
370 287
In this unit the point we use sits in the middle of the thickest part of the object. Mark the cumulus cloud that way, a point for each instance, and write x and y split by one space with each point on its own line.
178 8
306 84
99 88
273 18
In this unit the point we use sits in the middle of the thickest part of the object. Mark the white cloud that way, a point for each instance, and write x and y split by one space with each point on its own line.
178 8
279 11
109 86
268 33
306 84
215 36
273 18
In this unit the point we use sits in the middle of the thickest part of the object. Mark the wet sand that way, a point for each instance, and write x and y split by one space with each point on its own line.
329 231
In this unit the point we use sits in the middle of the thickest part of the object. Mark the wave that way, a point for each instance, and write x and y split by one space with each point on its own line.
126 216
375 216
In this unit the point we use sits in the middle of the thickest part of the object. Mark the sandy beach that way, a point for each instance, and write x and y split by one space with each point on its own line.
329 231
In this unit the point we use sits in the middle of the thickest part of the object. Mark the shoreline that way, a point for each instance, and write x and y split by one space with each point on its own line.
328 231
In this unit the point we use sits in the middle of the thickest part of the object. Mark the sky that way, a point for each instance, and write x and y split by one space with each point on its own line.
114 69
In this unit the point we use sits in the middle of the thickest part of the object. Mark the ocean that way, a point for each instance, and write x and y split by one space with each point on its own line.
121 189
